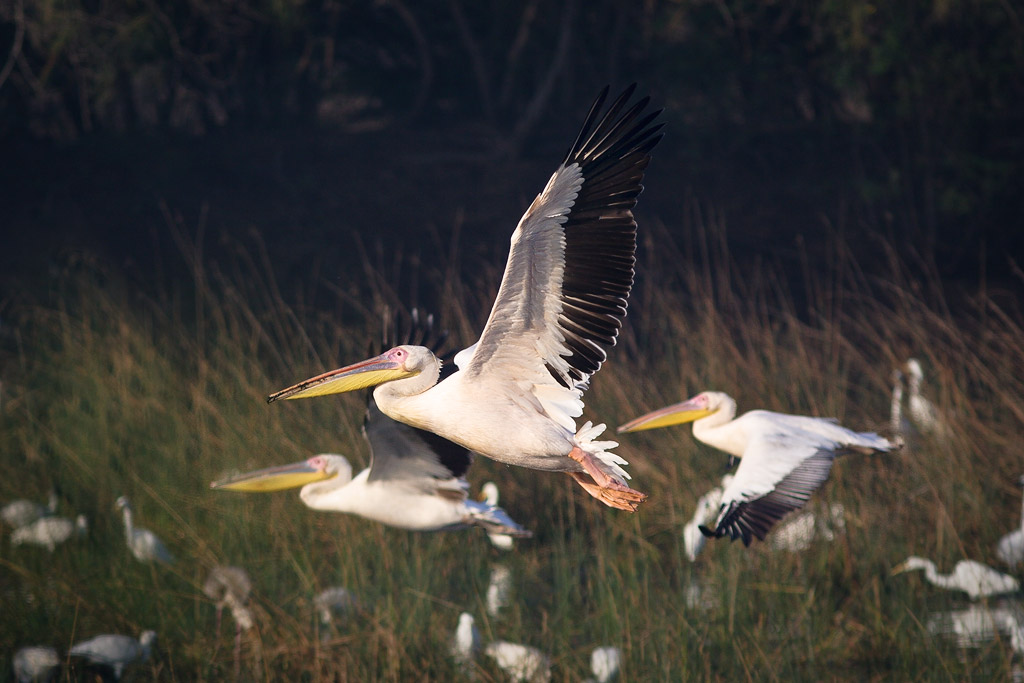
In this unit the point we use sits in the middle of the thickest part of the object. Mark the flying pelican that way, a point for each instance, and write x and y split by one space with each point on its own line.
35 664
144 544
230 587
559 308
415 481
1011 546
116 651
784 458
520 662
22 512
49 531
974 578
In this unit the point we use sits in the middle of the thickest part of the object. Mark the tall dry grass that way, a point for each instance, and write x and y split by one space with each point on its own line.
108 390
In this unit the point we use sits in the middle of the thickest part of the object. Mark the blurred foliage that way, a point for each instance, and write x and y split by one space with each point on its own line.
919 104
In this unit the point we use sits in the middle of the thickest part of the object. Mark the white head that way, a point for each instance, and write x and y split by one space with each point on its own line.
913 562
490 493
122 503
702 405
81 525
914 369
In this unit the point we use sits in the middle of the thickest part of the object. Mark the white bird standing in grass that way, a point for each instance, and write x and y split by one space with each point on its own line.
334 599
921 411
465 643
49 531
144 544
230 587
520 662
705 512
1011 546
798 531
491 496
974 578
562 299
784 458
499 589
35 664
416 481
23 512
116 651
604 664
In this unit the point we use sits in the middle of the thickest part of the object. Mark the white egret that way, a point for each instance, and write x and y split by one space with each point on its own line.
783 458
562 299
898 423
974 578
499 589
334 599
520 662
605 663
49 531
491 496
23 512
35 664
705 512
143 543
921 411
465 643
800 530
230 587
116 651
1011 546
415 481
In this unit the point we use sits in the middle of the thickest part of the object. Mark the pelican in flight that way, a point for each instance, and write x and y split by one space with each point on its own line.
416 481
784 458
559 308
1011 546
974 578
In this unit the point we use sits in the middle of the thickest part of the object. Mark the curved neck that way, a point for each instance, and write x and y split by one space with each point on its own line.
129 528
719 430
896 408
325 495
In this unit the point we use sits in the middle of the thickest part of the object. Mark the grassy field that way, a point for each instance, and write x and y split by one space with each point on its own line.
108 391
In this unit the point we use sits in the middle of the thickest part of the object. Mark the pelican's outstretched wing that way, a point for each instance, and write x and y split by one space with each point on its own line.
570 267
777 475
401 452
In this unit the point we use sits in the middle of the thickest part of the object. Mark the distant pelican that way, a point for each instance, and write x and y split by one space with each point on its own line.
415 481
974 578
230 587
705 512
491 497
35 664
144 544
784 458
1011 546
499 588
21 513
605 663
520 662
116 651
562 299
922 412
49 531
465 643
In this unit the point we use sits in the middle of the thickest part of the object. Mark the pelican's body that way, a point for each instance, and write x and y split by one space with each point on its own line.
19 513
49 531
559 308
116 651
974 578
784 458
415 481
144 545
1011 546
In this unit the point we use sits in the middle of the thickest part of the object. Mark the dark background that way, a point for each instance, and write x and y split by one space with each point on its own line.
330 131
